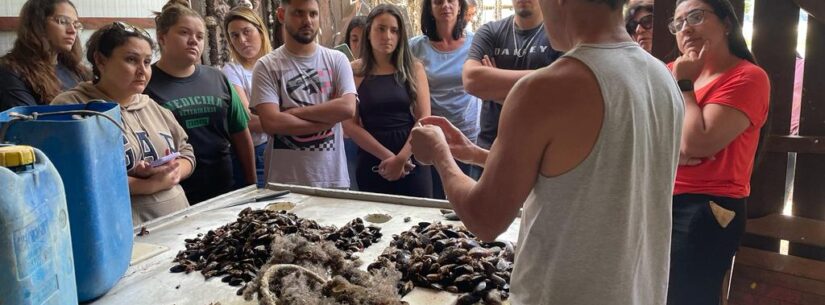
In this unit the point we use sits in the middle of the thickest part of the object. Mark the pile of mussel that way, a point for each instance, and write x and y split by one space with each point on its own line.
444 257
237 251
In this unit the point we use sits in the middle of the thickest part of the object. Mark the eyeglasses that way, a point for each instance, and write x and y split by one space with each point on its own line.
693 18
123 26
65 21
646 22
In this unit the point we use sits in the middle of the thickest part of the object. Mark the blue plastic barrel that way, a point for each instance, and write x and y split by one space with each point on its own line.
35 241
88 153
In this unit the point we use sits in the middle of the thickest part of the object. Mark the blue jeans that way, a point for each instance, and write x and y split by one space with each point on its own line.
237 169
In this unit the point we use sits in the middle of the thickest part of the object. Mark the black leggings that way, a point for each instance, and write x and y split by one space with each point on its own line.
701 250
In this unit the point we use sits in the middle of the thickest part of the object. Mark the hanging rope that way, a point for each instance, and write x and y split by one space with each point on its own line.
266 296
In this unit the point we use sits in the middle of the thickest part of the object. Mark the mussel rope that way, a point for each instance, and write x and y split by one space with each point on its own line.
266 295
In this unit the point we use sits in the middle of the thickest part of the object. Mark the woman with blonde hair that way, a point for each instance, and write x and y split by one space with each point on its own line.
249 41
203 102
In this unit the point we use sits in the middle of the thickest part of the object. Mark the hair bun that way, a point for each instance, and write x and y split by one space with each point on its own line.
170 3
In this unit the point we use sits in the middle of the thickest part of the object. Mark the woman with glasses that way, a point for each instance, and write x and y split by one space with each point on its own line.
203 101
726 103
46 58
442 49
639 24
394 94
249 41
121 56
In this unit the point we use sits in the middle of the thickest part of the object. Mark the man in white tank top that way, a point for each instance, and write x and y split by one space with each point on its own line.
588 147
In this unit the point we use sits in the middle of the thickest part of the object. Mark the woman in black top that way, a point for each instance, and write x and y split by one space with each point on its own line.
393 94
46 57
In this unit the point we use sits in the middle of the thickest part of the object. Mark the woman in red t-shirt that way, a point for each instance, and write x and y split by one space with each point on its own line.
726 103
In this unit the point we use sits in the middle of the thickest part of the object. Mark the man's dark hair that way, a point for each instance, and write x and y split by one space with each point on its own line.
428 21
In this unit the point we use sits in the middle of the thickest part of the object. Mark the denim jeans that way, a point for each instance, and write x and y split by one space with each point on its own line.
701 250
237 169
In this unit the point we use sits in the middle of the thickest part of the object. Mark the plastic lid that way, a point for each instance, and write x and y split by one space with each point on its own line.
16 155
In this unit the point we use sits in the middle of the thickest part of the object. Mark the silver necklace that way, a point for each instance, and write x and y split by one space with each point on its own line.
524 46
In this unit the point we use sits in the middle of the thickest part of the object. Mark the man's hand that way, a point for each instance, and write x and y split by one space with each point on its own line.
429 144
459 145
488 61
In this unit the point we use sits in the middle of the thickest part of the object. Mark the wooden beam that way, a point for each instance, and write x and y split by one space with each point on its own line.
782 270
9 24
799 144
791 228
789 268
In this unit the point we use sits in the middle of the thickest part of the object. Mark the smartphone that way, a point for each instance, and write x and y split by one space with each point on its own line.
344 48
165 159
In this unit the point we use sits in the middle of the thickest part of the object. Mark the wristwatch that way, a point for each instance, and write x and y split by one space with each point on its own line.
685 85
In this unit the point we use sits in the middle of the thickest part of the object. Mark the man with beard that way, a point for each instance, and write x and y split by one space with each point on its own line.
302 92
503 52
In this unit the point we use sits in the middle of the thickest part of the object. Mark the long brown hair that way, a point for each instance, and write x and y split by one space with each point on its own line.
401 57
31 56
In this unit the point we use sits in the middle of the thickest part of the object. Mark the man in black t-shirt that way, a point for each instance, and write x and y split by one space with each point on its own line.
502 52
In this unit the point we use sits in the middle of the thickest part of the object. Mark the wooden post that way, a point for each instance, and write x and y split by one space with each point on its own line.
809 196
774 49
664 43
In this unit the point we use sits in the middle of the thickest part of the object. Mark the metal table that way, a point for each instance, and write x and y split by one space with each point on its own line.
149 281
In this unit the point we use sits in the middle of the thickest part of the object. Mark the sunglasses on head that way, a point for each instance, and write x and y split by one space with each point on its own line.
123 26
646 22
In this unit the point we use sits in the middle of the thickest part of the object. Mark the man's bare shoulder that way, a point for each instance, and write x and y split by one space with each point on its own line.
564 83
